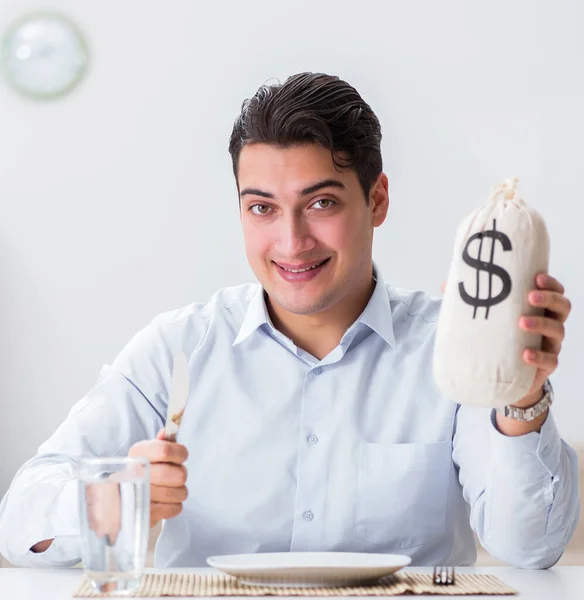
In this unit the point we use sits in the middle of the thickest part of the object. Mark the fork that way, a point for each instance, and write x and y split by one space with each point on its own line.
443 576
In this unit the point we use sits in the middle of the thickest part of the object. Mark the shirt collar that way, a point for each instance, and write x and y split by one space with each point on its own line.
255 316
377 313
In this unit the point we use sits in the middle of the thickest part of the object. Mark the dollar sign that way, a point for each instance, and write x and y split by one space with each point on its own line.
492 269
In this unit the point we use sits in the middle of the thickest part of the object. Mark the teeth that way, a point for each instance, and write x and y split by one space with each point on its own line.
302 270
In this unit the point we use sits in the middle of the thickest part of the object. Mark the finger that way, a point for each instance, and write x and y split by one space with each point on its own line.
547 282
162 435
550 345
104 509
546 326
168 495
443 287
163 511
169 475
546 361
554 302
160 451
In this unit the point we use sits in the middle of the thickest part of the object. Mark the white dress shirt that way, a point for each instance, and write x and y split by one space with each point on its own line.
356 452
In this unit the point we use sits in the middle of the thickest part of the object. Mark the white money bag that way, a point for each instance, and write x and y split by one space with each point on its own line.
499 250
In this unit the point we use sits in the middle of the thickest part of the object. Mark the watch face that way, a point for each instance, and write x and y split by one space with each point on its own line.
44 55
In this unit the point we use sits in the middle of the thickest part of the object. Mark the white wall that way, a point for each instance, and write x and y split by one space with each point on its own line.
118 201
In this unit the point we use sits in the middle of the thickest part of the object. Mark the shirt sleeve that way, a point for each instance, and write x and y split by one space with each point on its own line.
522 490
124 407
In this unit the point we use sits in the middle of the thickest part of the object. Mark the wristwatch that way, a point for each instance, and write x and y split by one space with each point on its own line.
528 414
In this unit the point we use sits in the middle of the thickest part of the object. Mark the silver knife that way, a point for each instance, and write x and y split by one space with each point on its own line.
179 392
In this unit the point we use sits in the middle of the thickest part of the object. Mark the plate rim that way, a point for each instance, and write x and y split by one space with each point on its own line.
404 561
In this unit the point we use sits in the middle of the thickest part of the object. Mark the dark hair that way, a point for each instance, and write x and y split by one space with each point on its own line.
313 108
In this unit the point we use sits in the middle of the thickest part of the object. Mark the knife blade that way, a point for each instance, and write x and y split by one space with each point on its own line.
179 391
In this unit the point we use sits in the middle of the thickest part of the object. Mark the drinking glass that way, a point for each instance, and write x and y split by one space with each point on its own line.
114 513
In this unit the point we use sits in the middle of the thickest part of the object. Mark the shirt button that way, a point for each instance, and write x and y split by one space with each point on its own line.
317 371
308 515
312 439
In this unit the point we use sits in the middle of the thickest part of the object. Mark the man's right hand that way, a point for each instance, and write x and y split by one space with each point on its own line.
168 475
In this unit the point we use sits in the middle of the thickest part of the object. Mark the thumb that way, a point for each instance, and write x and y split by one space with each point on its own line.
443 287
161 435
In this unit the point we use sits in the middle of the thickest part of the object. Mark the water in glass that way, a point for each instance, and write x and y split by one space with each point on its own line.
114 498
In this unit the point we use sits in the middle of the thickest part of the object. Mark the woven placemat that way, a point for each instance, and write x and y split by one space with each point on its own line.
189 584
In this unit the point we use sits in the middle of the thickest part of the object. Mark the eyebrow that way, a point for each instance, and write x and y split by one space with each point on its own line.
325 183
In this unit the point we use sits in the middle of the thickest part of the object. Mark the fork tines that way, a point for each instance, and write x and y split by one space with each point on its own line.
444 576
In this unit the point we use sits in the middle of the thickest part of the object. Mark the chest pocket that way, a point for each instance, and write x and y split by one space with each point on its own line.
402 493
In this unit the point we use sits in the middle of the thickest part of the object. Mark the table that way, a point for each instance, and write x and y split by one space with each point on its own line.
558 583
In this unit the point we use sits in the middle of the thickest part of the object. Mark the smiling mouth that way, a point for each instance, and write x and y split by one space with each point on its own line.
322 262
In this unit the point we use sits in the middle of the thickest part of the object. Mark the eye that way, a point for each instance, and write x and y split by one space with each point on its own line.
327 202
262 209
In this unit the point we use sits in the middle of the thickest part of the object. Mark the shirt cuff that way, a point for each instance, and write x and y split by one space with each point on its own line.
63 552
59 522
544 446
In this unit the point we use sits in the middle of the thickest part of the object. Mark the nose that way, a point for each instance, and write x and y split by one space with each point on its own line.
294 237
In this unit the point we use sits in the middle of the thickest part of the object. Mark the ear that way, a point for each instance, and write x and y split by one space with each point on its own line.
379 200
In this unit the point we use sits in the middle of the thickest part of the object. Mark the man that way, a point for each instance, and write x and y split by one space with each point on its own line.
312 422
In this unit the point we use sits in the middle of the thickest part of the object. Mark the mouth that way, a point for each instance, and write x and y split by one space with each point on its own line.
304 272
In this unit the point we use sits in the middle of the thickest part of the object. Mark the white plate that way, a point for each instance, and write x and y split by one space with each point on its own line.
309 569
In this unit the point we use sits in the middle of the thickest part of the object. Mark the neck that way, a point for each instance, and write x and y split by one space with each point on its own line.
319 333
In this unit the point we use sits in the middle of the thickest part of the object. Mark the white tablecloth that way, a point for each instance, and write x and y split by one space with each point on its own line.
558 583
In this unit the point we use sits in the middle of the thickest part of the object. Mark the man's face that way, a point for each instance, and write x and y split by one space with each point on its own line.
298 211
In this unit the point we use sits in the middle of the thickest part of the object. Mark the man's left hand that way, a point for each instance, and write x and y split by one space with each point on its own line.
550 296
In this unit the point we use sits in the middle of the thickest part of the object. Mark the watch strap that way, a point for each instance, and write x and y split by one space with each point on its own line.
531 413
